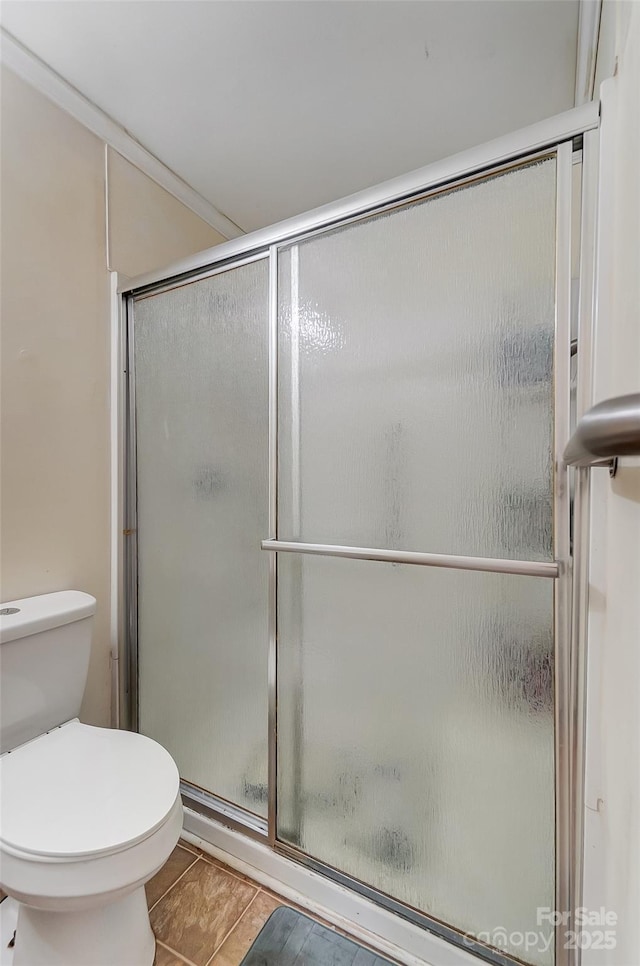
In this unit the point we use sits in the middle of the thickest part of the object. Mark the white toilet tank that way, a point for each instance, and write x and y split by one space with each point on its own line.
45 643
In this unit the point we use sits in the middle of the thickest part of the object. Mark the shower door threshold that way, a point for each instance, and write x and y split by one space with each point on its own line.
219 810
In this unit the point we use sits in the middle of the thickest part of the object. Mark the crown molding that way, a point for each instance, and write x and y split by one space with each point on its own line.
587 49
39 75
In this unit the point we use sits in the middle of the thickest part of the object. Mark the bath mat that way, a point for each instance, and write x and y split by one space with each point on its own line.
290 939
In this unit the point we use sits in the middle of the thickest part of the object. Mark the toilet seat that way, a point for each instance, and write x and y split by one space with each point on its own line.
80 792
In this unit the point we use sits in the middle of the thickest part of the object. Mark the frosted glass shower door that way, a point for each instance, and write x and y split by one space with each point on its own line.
201 370
415 705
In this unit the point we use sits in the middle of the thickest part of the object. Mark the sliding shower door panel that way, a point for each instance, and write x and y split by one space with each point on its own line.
201 369
416 413
423 724
416 375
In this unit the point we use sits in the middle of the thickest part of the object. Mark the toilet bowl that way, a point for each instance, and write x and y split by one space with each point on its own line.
87 816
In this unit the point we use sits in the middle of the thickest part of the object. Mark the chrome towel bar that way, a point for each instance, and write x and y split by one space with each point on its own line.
523 568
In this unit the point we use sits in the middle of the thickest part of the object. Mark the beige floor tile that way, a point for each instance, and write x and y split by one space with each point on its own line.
166 957
221 865
191 848
198 912
237 944
194 848
224 866
176 864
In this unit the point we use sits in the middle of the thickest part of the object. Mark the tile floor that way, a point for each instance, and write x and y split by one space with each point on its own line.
204 913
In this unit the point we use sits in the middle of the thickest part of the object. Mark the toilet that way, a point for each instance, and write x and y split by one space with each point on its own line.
87 815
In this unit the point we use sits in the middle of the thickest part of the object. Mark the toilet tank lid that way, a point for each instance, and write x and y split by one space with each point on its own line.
31 615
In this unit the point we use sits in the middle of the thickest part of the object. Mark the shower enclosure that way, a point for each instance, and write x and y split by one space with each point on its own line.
349 552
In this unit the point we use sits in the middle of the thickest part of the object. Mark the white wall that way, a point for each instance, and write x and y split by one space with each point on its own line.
612 860
614 28
55 503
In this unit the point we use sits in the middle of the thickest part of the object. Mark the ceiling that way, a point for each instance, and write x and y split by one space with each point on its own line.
270 107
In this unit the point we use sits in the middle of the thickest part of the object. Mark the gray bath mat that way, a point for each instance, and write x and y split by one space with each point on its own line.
290 939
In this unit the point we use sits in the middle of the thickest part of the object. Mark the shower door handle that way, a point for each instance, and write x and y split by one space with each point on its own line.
607 431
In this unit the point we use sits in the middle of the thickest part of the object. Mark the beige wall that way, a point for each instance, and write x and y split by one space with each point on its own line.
55 356
55 500
148 227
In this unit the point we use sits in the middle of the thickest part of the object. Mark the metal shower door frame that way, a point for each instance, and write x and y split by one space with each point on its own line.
560 136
